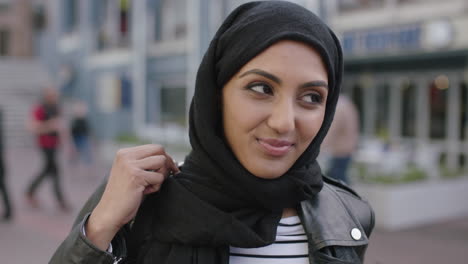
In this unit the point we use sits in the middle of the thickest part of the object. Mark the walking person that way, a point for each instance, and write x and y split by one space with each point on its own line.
80 132
46 124
7 208
250 191
342 139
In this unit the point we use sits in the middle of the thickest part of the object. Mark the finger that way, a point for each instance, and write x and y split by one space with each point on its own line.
172 164
154 163
158 163
143 151
151 189
153 181
153 178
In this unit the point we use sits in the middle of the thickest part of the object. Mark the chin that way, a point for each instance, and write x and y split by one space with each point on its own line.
268 174
267 169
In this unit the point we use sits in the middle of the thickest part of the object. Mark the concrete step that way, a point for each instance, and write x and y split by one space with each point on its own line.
21 81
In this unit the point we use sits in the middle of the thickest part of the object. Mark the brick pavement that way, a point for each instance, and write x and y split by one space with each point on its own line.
34 234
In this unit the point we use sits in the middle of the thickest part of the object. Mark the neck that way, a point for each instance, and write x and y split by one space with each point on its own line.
287 212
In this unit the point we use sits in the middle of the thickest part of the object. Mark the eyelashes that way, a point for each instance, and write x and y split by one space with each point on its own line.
261 88
313 98
310 97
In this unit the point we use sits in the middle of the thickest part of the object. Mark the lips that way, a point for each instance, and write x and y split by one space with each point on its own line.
275 147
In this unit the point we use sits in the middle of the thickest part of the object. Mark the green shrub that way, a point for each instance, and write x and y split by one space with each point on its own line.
410 174
130 139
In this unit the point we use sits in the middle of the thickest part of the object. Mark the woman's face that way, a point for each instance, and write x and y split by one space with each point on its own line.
274 106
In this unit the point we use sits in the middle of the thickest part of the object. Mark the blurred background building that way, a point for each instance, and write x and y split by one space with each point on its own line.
22 23
134 63
406 68
405 64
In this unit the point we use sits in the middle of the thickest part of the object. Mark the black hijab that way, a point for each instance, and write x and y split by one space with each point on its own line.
215 202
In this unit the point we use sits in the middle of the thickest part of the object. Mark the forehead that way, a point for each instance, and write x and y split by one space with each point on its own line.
286 55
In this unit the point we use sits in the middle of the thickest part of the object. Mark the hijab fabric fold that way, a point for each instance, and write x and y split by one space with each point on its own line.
215 202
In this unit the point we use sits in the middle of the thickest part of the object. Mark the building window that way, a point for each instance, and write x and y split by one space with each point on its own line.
382 111
171 21
358 99
408 112
347 5
151 105
464 110
126 92
70 15
39 17
101 18
112 22
4 42
124 11
166 105
438 93
114 92
173 105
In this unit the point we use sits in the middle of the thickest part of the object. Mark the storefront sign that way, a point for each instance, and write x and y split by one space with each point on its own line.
382 40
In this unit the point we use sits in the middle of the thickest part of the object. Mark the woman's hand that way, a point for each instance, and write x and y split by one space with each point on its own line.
135 172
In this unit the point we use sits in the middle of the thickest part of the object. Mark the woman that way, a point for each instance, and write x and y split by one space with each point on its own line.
251 190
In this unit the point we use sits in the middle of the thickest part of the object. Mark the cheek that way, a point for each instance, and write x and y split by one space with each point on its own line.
235 120
242 115
310 126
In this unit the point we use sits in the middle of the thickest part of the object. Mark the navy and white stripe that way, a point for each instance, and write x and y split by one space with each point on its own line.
290 247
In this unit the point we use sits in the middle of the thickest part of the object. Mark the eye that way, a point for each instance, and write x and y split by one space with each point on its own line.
260 88
312 98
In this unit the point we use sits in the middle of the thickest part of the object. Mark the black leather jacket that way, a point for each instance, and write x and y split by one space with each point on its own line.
338 223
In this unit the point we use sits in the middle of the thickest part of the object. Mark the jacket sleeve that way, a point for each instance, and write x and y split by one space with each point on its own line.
76 248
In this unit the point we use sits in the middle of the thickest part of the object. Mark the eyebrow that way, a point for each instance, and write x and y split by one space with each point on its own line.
262 73
278 81
314 84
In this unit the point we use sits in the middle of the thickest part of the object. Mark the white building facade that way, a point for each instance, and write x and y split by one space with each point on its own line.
406 66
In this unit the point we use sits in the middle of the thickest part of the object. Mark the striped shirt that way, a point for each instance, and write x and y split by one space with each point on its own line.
290 247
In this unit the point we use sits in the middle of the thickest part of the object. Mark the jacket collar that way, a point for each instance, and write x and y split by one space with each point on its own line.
328 222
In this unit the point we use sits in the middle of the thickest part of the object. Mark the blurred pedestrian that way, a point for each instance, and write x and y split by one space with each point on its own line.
251 190
7 215
80 132
342 139
46 124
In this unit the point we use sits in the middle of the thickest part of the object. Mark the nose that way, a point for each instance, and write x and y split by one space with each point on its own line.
282 117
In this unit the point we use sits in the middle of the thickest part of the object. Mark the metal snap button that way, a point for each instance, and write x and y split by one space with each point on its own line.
356 234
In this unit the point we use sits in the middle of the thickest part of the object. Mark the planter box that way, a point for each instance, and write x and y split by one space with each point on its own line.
414 204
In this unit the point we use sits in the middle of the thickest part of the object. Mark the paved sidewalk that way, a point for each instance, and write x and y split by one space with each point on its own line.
34 234
441 243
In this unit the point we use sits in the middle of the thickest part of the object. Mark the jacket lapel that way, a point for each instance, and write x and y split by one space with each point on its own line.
329 223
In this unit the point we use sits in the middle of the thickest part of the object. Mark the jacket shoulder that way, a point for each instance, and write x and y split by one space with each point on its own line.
340 185
354 203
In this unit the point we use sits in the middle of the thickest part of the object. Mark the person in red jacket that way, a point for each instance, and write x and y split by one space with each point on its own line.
46 124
